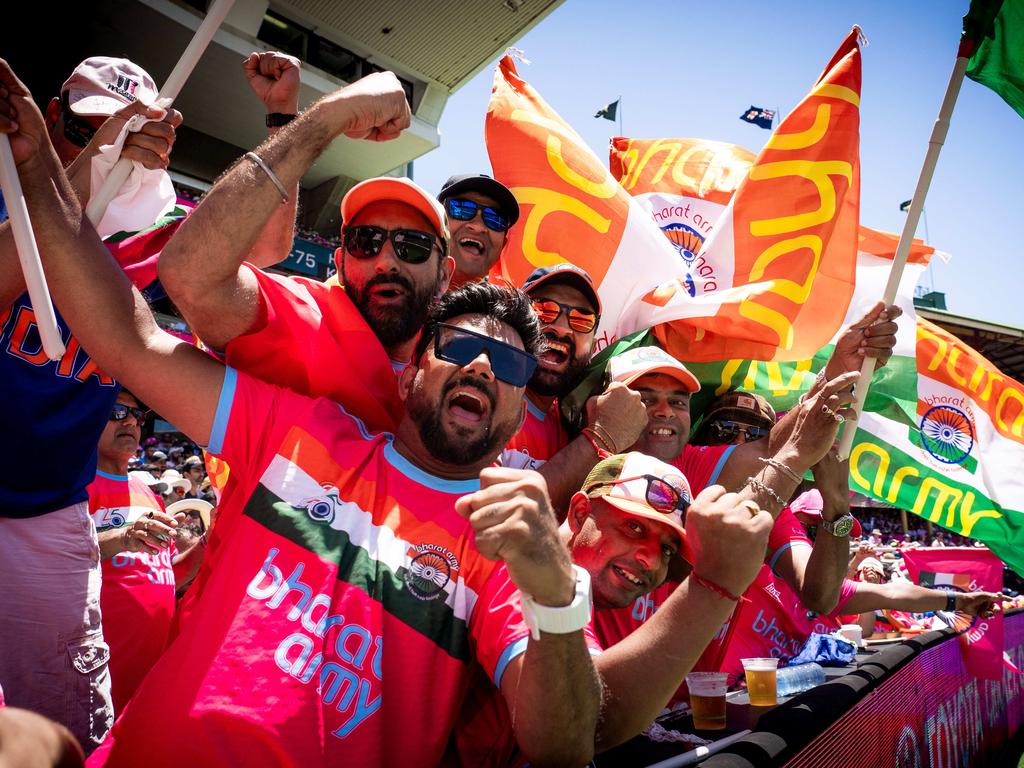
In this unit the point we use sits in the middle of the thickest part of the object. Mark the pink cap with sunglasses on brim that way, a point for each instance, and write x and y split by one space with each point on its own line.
400 190
625 482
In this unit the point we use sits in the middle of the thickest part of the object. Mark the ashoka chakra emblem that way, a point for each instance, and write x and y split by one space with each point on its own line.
947 434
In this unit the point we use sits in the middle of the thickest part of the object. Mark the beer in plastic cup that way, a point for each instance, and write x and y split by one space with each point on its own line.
707 699
761 681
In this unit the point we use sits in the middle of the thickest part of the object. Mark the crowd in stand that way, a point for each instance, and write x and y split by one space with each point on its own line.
395 547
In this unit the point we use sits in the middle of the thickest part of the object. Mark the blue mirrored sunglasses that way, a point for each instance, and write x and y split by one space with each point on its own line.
465 210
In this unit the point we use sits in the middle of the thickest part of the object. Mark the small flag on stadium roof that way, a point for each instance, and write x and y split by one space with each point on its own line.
759 116
608 112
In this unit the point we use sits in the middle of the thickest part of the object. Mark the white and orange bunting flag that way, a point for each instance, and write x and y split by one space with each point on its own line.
784 250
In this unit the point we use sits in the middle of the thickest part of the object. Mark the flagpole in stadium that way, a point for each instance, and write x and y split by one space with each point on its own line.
28 253
122 169
935 142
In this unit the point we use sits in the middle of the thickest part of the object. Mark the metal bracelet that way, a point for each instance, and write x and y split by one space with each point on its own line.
768 461
753 482
270 174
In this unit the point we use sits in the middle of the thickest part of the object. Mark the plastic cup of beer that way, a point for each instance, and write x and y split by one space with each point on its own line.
761 681
707 699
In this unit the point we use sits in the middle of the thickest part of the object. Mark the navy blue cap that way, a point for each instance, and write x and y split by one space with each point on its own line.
564 273
485 185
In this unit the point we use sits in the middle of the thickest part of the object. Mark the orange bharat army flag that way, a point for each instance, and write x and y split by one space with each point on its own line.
797 216
573 210
785 249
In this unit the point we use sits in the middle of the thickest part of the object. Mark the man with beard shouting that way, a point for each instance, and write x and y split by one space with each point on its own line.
354 566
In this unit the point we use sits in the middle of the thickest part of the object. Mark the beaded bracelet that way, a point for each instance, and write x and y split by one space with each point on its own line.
753 482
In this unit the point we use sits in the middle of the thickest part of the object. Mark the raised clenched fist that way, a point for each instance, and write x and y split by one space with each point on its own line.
512 521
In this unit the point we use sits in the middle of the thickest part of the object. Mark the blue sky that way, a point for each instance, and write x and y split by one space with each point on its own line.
690 69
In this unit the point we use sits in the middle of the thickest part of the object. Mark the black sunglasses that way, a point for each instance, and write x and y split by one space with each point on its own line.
76 130
466 210
730 430
120 411
412 246
661 495
461 346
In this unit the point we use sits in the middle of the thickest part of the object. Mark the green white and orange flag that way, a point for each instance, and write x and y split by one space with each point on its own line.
959 463
795 229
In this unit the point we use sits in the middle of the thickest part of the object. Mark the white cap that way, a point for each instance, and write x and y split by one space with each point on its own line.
173 479
102 85
641 361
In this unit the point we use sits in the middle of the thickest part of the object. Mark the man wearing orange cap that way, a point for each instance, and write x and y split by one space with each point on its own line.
346 341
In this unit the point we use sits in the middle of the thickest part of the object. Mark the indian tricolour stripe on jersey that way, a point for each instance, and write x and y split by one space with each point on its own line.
959 463
345 595
966 569
374 550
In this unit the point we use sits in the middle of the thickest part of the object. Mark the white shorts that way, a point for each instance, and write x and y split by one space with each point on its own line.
53 659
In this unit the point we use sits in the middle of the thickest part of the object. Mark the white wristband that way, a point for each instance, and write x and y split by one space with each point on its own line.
559 621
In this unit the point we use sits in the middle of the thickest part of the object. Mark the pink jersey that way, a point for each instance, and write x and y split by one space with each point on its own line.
774 623
542 434
137 596
310 337
346 610
483 737
701 465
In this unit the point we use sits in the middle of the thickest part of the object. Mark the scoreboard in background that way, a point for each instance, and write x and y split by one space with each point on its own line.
309 259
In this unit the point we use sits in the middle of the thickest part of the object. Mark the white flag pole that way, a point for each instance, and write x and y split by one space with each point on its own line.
931 158
172 87
28 252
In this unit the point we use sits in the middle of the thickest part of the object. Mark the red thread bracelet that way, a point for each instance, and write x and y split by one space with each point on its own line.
720 591
592 438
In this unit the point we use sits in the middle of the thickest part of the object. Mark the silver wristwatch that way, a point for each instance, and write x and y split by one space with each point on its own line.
559 621
839 527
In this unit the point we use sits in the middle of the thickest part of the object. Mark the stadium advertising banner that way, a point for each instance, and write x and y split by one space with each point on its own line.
929 714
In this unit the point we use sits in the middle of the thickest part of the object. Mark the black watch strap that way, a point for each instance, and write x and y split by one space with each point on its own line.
950 600
277 119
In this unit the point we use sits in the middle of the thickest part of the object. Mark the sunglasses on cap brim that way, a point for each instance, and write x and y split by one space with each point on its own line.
661 494
461 346
466 210
412 246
